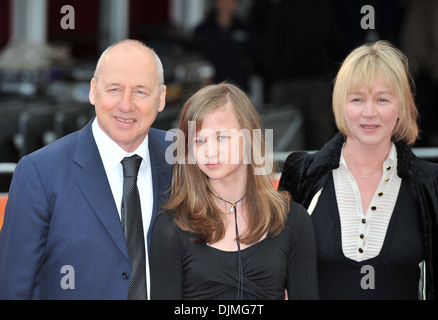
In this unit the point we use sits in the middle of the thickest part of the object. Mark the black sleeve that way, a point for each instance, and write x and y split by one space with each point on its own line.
302 277
165 260
294 173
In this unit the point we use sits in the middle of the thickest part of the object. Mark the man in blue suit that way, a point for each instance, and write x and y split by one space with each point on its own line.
62 236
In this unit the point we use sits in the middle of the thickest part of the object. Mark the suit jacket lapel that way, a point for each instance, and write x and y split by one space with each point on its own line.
92 180
161 175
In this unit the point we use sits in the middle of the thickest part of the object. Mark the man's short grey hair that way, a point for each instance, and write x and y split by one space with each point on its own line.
158 62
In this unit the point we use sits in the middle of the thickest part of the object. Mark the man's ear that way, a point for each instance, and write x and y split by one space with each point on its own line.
92 92
162 102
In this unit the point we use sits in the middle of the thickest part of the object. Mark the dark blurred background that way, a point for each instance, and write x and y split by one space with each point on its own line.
284 53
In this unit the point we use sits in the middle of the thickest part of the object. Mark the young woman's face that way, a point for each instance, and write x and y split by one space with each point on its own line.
219 146
371 116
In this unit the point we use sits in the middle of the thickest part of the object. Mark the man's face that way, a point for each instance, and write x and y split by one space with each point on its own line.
126 95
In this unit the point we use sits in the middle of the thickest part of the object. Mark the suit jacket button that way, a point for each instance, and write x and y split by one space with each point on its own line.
125 275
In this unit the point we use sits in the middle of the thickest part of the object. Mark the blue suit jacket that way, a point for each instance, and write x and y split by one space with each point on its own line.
62 237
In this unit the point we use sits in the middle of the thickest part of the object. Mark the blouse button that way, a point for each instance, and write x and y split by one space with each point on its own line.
361 236
360 250
364 220
380 194
125 276
373 208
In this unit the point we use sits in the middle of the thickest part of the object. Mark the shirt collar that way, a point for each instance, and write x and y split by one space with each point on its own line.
391 160
111 153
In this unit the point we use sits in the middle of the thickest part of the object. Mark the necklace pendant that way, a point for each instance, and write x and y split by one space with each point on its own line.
232 208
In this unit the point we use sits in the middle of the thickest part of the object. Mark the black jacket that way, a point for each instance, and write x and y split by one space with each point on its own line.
305 174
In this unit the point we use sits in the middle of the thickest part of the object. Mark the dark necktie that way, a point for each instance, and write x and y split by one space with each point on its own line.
133 228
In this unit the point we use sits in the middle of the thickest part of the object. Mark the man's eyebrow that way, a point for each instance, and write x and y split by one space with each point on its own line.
140 86
117 84
111 84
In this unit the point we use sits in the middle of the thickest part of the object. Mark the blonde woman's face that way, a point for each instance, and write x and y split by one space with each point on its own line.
371 116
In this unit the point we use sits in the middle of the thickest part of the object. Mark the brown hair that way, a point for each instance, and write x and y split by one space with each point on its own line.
192 198
361 67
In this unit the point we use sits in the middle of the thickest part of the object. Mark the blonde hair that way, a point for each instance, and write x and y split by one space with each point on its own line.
192 198
361 67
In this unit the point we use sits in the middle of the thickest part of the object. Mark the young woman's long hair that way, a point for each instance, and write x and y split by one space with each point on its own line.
192 197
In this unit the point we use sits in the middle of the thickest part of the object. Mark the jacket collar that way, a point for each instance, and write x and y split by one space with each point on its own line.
91 178
408 165
329 155
161 173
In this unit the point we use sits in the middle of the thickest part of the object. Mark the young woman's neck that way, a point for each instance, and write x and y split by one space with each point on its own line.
229 190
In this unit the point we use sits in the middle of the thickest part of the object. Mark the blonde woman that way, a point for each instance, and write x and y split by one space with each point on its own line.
228 234
373 203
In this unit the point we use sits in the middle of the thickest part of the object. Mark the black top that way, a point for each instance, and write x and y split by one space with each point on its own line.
393 274
184 269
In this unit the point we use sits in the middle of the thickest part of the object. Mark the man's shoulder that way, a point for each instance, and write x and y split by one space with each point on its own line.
160 133
62 148
161 137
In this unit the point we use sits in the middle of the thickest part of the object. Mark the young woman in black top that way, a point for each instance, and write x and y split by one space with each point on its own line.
228 234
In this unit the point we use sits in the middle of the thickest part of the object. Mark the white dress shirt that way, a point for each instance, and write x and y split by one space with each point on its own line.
363 234
112 155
